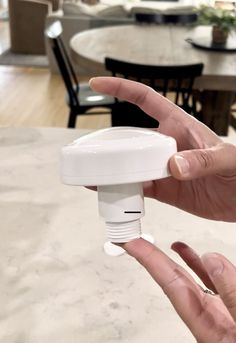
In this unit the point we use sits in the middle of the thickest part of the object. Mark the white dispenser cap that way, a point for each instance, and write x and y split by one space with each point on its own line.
117 155
118 160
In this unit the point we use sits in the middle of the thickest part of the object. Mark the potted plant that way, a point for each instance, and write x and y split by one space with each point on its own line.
223 21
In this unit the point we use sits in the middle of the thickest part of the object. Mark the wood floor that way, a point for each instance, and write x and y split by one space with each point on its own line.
33 97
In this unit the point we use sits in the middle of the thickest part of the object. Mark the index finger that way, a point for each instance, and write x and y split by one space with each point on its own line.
163 270
185 295
151 102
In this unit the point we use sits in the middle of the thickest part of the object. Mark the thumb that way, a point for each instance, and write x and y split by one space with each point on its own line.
191 164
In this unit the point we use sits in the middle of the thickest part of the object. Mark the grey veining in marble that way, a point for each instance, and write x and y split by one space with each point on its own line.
57 285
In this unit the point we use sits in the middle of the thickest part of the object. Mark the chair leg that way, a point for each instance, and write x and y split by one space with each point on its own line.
72 119
233 121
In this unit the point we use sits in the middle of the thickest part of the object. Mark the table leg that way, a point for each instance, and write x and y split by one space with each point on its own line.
216 108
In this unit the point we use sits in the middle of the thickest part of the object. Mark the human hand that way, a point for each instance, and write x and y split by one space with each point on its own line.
203 171
211 318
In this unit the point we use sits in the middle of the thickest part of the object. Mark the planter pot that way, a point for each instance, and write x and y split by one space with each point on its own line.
219 36
90 2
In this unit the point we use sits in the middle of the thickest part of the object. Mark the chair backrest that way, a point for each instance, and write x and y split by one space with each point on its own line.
54 35
159 18
178 79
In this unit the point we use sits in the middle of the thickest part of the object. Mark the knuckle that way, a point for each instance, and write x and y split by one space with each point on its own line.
117 89
205 158
177 279
229 297
141 97
145 259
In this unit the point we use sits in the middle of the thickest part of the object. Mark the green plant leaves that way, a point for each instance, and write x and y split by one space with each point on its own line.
223 18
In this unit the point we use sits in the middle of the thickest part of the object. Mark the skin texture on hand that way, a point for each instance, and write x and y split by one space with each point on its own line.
203 172
202 182
210 318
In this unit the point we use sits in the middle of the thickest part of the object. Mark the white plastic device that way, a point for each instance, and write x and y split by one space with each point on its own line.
118 160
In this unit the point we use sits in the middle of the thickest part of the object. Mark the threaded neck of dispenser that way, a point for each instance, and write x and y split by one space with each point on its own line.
122 232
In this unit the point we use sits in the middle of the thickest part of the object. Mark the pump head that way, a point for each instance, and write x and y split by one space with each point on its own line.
118 160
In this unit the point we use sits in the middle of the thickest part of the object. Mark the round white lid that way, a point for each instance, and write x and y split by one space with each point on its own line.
117 155
115 250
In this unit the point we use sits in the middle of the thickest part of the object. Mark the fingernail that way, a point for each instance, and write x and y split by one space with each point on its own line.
182 164
213 264
91 80
176 245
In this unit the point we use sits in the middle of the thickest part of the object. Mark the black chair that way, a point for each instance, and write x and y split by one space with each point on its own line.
80 97
164 79
233 121
159 18
232 118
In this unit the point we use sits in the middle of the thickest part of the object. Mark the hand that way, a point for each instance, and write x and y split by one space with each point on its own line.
210 318
203 171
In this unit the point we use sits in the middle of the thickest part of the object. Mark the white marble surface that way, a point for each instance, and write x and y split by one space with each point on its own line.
56 284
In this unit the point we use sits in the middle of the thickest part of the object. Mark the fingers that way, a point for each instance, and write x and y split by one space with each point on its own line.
208 155
173 121
160 266
223 275
192 259
185 295
219 159
137 93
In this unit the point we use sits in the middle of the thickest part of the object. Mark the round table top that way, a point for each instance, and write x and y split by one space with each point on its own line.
152 45
133 43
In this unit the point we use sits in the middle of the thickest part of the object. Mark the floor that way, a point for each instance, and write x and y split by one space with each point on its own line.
33 97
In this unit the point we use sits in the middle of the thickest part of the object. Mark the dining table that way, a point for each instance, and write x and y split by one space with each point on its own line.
152 44
57 284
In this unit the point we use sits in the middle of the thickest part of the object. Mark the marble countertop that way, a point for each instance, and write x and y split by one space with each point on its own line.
57 285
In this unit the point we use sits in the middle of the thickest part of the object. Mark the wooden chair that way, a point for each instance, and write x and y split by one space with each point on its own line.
80 97
164 79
